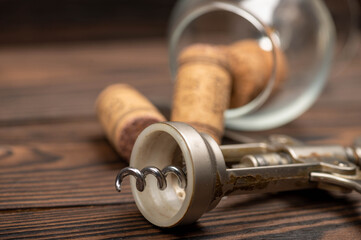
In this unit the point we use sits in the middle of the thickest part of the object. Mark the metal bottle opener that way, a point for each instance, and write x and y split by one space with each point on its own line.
201 172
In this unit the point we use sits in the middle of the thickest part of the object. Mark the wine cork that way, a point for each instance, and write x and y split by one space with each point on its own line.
202 89
123 113
251 67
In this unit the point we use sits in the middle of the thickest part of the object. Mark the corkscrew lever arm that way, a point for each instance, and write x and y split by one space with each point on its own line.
351 184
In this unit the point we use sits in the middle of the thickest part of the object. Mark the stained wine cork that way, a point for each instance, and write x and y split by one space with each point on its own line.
123 113
251 68
202 89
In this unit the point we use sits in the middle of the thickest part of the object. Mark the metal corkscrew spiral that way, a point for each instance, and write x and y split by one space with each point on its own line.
160 175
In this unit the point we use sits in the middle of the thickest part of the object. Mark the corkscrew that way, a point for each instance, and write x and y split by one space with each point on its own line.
197 172
158 174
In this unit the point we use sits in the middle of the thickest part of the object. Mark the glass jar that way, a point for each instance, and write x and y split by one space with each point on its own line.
302 29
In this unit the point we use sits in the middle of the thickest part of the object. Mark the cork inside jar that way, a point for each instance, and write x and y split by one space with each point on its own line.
307 40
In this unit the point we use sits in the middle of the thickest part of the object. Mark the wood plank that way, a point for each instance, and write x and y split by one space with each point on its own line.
71 163
63 81
58 174
90 131
25 22
46 21
75 62
291 215
70 131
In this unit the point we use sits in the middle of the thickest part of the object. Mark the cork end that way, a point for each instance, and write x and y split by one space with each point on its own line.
130 133
247 64
251 68
123 113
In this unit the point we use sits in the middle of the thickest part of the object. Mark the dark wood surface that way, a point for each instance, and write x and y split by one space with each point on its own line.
43 21
57 170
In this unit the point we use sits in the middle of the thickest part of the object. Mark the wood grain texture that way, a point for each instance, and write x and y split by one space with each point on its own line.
290 215
63 82
24 22
57 169
43 175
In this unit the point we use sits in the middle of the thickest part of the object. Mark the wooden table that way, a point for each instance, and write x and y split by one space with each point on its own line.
57 169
